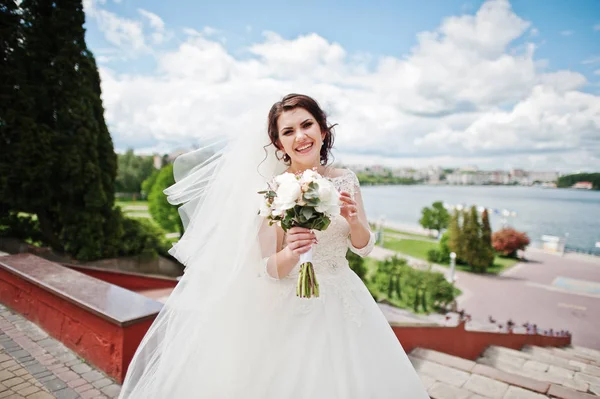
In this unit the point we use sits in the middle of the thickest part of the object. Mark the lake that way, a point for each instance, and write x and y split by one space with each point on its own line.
540 211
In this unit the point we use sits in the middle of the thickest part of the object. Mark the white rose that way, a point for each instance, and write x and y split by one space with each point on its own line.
287 195
285 178
309 175
329 198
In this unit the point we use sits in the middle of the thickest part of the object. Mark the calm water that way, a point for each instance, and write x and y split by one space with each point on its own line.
539 211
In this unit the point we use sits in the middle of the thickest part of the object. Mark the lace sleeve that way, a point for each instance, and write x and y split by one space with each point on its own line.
354 187
271 240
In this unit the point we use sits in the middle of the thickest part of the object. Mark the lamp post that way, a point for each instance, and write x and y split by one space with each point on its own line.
452 266
380 231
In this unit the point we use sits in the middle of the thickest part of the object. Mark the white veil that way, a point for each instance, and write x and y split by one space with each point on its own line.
220 249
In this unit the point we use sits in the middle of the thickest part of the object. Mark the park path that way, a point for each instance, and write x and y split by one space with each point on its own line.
555 292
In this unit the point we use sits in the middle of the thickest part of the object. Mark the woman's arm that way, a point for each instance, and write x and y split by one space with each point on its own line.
281 252
361 240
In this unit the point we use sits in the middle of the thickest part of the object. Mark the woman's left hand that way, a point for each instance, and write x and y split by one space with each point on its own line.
348 209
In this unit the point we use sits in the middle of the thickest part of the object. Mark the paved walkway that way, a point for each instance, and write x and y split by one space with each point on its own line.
36 366
548 290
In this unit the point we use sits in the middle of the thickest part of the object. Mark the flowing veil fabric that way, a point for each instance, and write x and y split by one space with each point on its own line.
223 259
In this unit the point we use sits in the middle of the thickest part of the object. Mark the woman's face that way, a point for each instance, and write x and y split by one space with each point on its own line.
300 137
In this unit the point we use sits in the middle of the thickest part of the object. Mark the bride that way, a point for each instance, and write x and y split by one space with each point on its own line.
234 327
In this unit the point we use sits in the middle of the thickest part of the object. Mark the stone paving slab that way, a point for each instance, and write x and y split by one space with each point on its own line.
34 365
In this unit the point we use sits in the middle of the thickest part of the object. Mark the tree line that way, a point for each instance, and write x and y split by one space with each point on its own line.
568 180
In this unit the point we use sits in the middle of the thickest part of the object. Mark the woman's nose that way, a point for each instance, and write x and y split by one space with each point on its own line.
300 135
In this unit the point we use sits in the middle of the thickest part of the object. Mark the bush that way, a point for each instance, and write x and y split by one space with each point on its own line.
508 241
165 214
418 290
23 227
442 254
142 237
357 264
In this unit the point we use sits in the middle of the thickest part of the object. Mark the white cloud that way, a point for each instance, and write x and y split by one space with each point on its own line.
591 60
534 32
597 72
464 93
597 27
566 32
157 25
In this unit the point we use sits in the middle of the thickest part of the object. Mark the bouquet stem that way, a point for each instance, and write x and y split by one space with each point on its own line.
307 286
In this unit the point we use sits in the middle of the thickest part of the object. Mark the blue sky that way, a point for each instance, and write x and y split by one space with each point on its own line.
555 43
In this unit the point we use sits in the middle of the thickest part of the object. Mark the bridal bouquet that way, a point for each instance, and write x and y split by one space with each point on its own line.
305 200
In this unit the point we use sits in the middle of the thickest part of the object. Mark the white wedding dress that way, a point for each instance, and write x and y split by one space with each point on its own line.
266 343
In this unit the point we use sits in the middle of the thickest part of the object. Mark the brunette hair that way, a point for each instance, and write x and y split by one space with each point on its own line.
293 101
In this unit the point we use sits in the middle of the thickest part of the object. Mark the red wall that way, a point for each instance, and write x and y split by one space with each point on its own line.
468 344
106 345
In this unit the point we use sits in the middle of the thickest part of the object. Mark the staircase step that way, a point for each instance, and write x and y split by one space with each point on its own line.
440 390
512 378
557 391
485 386
559 353
444 359
439 372
520 393
544 355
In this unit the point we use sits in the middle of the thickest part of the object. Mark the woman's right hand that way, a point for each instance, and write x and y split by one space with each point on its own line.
299 240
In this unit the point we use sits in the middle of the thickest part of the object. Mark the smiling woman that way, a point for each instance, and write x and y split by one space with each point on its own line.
297 127
235 326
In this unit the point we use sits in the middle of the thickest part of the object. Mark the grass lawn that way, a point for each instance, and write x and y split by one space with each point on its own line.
123 204
404 233
415 248
418 249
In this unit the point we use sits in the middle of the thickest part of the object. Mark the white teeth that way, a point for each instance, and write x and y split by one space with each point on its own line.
304 147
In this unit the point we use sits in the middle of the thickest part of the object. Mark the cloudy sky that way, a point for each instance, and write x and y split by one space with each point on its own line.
496 84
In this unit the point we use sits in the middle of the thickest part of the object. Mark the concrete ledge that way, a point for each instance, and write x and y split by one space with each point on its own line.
86 314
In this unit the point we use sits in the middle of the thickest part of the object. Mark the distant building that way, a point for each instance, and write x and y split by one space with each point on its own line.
157 161
543 177
584 185
499 177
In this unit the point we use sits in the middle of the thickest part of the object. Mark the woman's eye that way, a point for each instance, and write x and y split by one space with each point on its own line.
307 125
287 132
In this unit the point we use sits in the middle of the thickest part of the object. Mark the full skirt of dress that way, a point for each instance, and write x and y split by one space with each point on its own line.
260 341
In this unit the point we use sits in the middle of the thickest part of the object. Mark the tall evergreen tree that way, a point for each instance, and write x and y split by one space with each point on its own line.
486 240
63 167
470 237
455 234
24 176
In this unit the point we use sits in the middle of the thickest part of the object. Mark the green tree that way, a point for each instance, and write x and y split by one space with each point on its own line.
455 234
62 164
133 170
149 183
435 218
569 180
165 214
472 248
487 251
